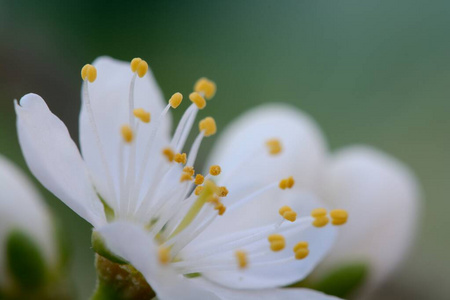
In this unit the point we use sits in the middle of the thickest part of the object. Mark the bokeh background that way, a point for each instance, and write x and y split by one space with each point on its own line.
372 72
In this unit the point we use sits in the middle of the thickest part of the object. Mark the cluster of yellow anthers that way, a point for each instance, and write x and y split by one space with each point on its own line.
338 217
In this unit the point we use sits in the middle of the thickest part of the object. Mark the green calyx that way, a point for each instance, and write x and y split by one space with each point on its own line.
98 244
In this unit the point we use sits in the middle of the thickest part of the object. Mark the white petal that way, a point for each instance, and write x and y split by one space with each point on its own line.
135 245
382 198
265 294
21 207
230 226
303 148
54 158
109 97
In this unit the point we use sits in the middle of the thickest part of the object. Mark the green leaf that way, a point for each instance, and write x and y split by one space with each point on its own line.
344 280
25 261
99 246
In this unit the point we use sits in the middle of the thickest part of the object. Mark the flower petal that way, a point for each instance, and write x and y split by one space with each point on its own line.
54 158
242 147
21 207
135 245
272 269
382 198
109 98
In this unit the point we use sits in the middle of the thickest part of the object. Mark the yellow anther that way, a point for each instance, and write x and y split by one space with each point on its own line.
185 177
142 68
223 191
277 242
134 63
320 221
338 216
198 190
142 114
215 170
319 212
198 100
300 245
199 179
287 183
169 154
214 199
189 170
180 158
220 208
205 86
208 126
284 209
164 255
290 216
89 72
175 100
127 133
274 146
241 257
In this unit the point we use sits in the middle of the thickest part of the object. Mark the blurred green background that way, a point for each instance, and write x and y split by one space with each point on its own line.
372 72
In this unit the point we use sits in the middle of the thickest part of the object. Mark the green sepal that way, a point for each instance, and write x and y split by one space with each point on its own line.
25 261
344 280
98 244
109 212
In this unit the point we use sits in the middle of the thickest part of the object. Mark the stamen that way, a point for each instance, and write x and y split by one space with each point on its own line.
320 217
189 170
205 86
319 212
185 177
338 216
169 154
274 146
301 250
223 191
208 126
180 158
127 133
215 170
198 190
139 66
175 100
142 115
198 100
89 72
287 213
164 255
199 179
241 257
287 183
277 242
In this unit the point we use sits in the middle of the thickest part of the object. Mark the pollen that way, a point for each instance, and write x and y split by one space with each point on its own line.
208 126
164 255
301 250
139 66
142 115
199 179
127 133
198 190
274 146
198 100
223 191
220 208
180 158
189 170
277 242
320 221
215 170
338 216
287 213
169 154
287 183
185 177
89 72
175 100
205 86
241 257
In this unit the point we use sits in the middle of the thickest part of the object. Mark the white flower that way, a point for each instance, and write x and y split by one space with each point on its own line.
130 184
380 194
22 215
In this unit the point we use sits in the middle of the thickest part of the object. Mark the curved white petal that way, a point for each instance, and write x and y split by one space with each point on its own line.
264 294
382 198
132 243
242 145
54 158
22 208
109 98
246 221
